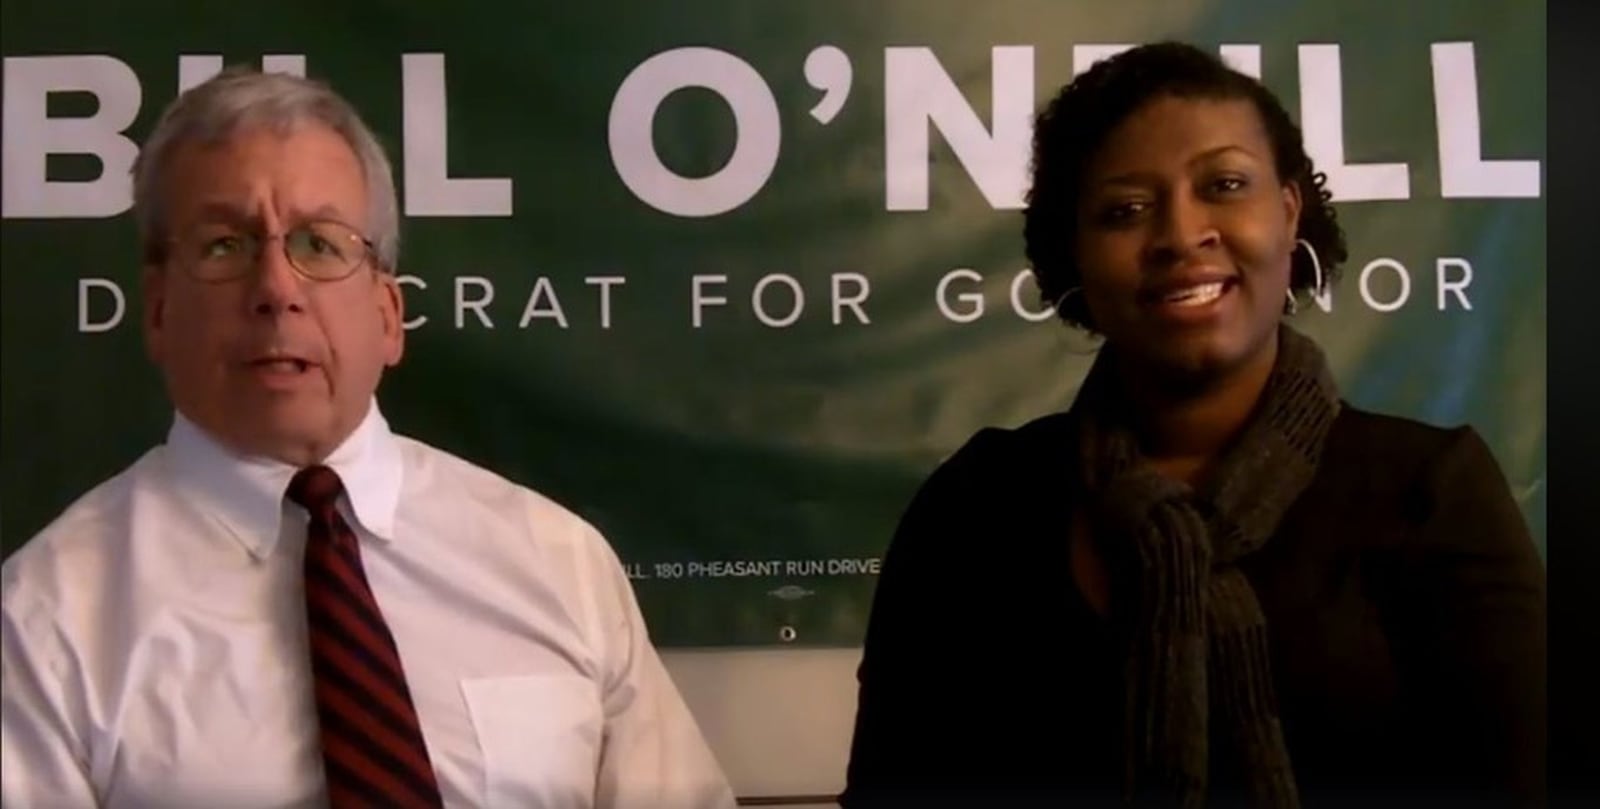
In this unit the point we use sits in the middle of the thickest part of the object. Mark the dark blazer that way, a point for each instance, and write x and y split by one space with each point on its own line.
1404 599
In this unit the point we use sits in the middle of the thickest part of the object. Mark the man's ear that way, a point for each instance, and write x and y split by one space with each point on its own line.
392 311
153 297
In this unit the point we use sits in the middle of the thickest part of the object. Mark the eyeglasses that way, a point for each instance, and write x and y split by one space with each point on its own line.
320 250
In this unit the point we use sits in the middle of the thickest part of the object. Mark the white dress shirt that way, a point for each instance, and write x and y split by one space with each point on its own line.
155 653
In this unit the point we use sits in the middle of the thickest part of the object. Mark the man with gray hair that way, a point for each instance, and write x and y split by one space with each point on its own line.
286 603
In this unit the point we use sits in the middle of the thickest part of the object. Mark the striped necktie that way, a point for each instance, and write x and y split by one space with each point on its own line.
372 748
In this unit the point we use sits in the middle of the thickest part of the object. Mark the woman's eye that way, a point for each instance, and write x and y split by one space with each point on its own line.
1122 211
1226 185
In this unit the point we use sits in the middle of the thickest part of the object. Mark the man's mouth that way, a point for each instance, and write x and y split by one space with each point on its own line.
282 365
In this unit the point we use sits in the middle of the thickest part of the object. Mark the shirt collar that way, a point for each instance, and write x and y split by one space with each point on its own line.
246 493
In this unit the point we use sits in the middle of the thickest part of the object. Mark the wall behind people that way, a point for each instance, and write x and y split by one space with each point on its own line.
729 279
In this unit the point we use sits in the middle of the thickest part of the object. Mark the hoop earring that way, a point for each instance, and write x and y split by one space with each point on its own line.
1316 269
1316 263
1060 302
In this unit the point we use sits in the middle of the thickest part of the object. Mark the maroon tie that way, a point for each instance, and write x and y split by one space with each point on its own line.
372 748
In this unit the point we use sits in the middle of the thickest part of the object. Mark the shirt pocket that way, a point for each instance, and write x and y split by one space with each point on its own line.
540 736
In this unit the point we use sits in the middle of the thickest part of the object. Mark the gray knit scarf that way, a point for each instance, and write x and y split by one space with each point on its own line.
1198 667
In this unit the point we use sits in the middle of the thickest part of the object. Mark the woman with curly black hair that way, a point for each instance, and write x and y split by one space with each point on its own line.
1225 585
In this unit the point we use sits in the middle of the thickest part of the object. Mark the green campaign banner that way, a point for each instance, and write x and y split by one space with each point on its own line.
729 279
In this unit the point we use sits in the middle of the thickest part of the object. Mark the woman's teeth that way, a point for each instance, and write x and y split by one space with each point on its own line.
1195 295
